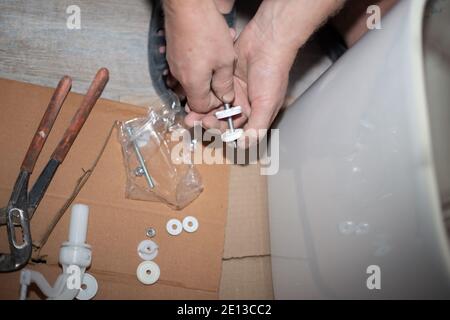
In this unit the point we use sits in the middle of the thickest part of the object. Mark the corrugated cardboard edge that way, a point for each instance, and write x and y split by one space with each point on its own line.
247 231
246 268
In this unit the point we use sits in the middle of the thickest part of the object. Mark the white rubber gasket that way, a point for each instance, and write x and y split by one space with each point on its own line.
148 272
147 250
226 113
229 136
89 287
190 224
174 227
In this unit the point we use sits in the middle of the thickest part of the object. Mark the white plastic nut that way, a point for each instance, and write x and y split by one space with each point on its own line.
222 114
89 287
174 227
148 272
230 136
190 224
79 255
147 250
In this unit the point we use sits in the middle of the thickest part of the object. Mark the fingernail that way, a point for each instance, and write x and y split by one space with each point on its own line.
228 97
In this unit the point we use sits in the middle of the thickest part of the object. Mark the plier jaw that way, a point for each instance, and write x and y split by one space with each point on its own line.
16 216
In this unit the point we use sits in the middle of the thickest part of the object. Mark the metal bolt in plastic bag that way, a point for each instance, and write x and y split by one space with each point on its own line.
152 174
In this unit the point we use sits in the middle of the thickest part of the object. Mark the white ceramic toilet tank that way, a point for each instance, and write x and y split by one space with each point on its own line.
360 205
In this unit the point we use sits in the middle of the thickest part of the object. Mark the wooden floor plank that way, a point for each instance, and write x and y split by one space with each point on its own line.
37 47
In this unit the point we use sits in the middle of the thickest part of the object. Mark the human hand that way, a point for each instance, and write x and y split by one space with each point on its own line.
200 52
260 81
265 50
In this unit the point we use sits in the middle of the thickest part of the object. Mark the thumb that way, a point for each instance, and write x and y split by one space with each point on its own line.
222 84
256 127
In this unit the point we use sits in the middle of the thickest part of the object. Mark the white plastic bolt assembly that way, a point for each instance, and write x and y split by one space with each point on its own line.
148 272
228 112
174 227
190 224
147 250
73 253
76 251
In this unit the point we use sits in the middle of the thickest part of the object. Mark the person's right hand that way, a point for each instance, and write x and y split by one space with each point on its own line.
200 52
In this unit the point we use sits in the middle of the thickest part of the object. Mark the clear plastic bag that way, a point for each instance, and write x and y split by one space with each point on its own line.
175 183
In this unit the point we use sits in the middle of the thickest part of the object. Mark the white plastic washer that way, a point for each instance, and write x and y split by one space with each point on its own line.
190 224
148 272
228 112
89 288
174 227
229 136
147 250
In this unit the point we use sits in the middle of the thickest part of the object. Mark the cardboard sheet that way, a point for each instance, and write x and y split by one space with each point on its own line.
190 263
247 232
248 278
247 270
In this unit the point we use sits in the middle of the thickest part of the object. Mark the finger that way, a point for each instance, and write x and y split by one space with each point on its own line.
240 120
259 120
211 122
222 84
198 95
233 33
201 102
192 117
260 117
241 97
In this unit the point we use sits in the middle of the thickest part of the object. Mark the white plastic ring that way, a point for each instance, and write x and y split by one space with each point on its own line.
147 250
148 272
229 136
174 227
89 287
226 113
190 224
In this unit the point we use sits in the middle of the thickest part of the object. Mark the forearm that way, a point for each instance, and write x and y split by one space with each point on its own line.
352 20
292 22
190 7
174 6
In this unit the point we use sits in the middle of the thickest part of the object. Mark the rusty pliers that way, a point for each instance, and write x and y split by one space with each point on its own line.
22 204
